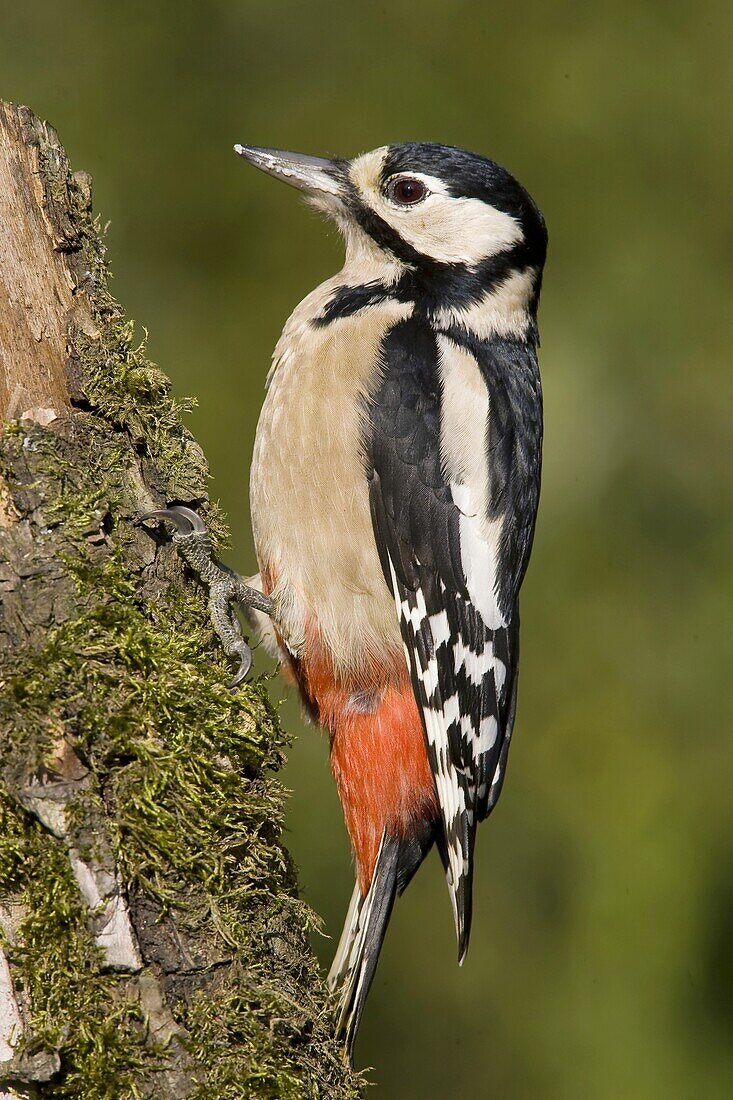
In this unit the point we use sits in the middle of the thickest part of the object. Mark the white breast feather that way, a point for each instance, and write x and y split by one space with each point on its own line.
309 491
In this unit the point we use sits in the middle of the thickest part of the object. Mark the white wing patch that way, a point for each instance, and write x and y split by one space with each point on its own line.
464 420
479 553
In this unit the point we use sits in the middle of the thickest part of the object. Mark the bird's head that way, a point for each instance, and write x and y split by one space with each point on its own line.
457 223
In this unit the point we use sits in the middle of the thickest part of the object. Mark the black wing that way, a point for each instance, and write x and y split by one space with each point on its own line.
461 643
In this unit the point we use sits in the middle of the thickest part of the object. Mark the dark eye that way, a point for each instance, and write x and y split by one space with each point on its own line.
406 190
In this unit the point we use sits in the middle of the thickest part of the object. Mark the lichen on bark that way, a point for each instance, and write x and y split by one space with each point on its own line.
126 765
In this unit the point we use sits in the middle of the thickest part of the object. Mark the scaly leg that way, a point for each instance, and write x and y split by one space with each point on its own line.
226 587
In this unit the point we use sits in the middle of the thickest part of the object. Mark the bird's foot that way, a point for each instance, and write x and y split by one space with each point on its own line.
226 588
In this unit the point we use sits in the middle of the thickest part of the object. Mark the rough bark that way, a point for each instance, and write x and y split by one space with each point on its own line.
151 938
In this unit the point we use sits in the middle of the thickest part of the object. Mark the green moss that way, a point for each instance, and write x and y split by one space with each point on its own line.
196 826
133 394
129 673
57 965
196 829
253 1060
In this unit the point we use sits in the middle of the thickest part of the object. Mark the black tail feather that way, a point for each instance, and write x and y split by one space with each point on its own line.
373 917
366 924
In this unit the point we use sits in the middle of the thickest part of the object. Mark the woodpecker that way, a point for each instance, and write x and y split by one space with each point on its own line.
394 490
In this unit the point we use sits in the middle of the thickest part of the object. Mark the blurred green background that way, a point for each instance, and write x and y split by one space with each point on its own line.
600 965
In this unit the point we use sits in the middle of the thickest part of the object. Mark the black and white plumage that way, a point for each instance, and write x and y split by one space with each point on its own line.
425 347
456 592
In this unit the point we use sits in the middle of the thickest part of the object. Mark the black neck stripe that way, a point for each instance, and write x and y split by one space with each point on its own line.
439 284
348 300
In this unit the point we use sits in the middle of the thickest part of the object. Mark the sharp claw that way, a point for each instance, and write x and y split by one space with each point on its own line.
185 520
225 586
245 654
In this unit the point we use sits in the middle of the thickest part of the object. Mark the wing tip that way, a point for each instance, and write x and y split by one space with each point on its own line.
462 899
460 887
463 934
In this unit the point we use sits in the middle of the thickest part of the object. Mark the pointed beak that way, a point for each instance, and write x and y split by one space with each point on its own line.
315 175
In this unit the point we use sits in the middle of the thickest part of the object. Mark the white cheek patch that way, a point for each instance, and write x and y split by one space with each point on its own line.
447 228
454 230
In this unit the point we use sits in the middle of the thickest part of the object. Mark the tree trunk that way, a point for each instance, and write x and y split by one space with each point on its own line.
151 938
